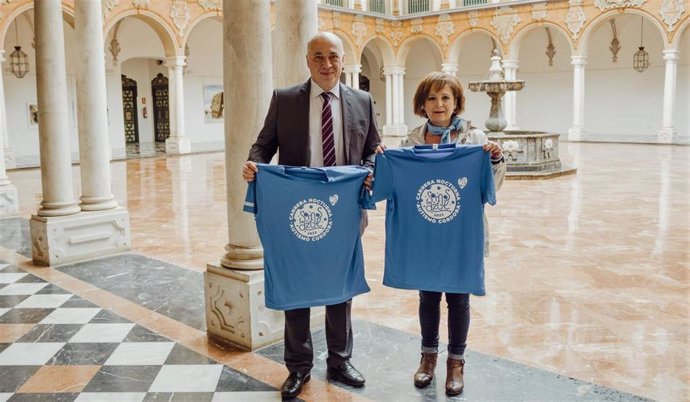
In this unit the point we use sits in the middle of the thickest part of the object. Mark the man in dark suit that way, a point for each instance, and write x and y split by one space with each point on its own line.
318 123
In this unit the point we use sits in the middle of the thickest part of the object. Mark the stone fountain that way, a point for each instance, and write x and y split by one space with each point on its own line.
529 154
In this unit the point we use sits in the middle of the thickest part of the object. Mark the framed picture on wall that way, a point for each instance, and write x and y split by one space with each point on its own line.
32 114
213 103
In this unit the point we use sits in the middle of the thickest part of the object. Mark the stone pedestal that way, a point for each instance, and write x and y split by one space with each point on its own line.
178 145
9 201
530 155
61 239
236 312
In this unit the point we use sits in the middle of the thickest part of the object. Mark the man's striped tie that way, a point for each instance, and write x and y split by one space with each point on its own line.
327 131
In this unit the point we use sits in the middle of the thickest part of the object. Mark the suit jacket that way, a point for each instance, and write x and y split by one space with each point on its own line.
286 128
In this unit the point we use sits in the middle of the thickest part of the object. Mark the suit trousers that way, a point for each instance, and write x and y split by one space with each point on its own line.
299 350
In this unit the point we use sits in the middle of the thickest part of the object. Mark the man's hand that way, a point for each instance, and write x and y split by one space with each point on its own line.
249 171
380 149
494 149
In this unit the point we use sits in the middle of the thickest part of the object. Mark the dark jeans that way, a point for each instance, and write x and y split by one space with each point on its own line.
458 321
299 351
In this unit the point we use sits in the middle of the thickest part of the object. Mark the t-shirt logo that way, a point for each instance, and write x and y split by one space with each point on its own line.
438 201
310 219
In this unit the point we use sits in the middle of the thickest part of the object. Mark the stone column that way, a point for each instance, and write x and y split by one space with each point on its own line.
352 74
103 227
401 99
178 142
576 132
172 120
56 166
450 68
238 280
395 125
9 203
389 98
297 22
51 82
668 130
9 156
510 98
94 147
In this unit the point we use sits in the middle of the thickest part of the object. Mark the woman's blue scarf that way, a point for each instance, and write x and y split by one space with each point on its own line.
444 132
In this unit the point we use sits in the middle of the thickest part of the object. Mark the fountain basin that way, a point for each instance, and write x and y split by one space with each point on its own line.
531 154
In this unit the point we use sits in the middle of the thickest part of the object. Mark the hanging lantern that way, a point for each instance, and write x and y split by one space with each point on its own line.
19 61
641 58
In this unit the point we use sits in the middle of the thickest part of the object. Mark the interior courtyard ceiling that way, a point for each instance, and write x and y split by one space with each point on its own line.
393 36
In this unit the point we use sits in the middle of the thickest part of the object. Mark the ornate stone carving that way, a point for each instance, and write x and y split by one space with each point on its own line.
576 17
539 12
505 22
109 5
511 149
210 5
180 14
670 12
550 48
114 49
474 18
416 25
615 44
380 28
141 3
606 4
336 19
39 241
396 33
444 29
547 148
359 30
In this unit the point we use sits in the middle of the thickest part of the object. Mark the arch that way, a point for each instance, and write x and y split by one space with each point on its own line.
514 47
680 31
213 15
160 27
406 46
384 47
583 44
67 16
456 46
349 47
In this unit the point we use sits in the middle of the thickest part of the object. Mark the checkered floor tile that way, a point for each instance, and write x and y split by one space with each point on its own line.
56 346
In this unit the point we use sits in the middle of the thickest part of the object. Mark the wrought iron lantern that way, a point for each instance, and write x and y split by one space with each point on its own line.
641 58
19 61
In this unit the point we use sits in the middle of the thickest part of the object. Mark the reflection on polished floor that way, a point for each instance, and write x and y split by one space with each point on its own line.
587 276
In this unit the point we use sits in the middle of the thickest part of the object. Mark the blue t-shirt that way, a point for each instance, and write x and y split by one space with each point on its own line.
434 217
308 223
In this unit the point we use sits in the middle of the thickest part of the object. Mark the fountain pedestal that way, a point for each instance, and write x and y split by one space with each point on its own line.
528 154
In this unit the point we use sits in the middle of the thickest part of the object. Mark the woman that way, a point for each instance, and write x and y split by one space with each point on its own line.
440 99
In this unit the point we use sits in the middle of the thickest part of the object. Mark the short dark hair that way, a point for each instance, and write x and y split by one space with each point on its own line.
434 82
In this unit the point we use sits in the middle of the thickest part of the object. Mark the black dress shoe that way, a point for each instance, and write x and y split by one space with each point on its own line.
346 373
293 384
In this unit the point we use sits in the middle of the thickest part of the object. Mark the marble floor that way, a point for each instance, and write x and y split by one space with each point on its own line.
587 282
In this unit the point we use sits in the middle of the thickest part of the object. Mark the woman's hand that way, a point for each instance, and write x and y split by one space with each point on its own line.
380 149
494 149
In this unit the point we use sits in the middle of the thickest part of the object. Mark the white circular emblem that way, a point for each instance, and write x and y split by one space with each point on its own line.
310 220
438 201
